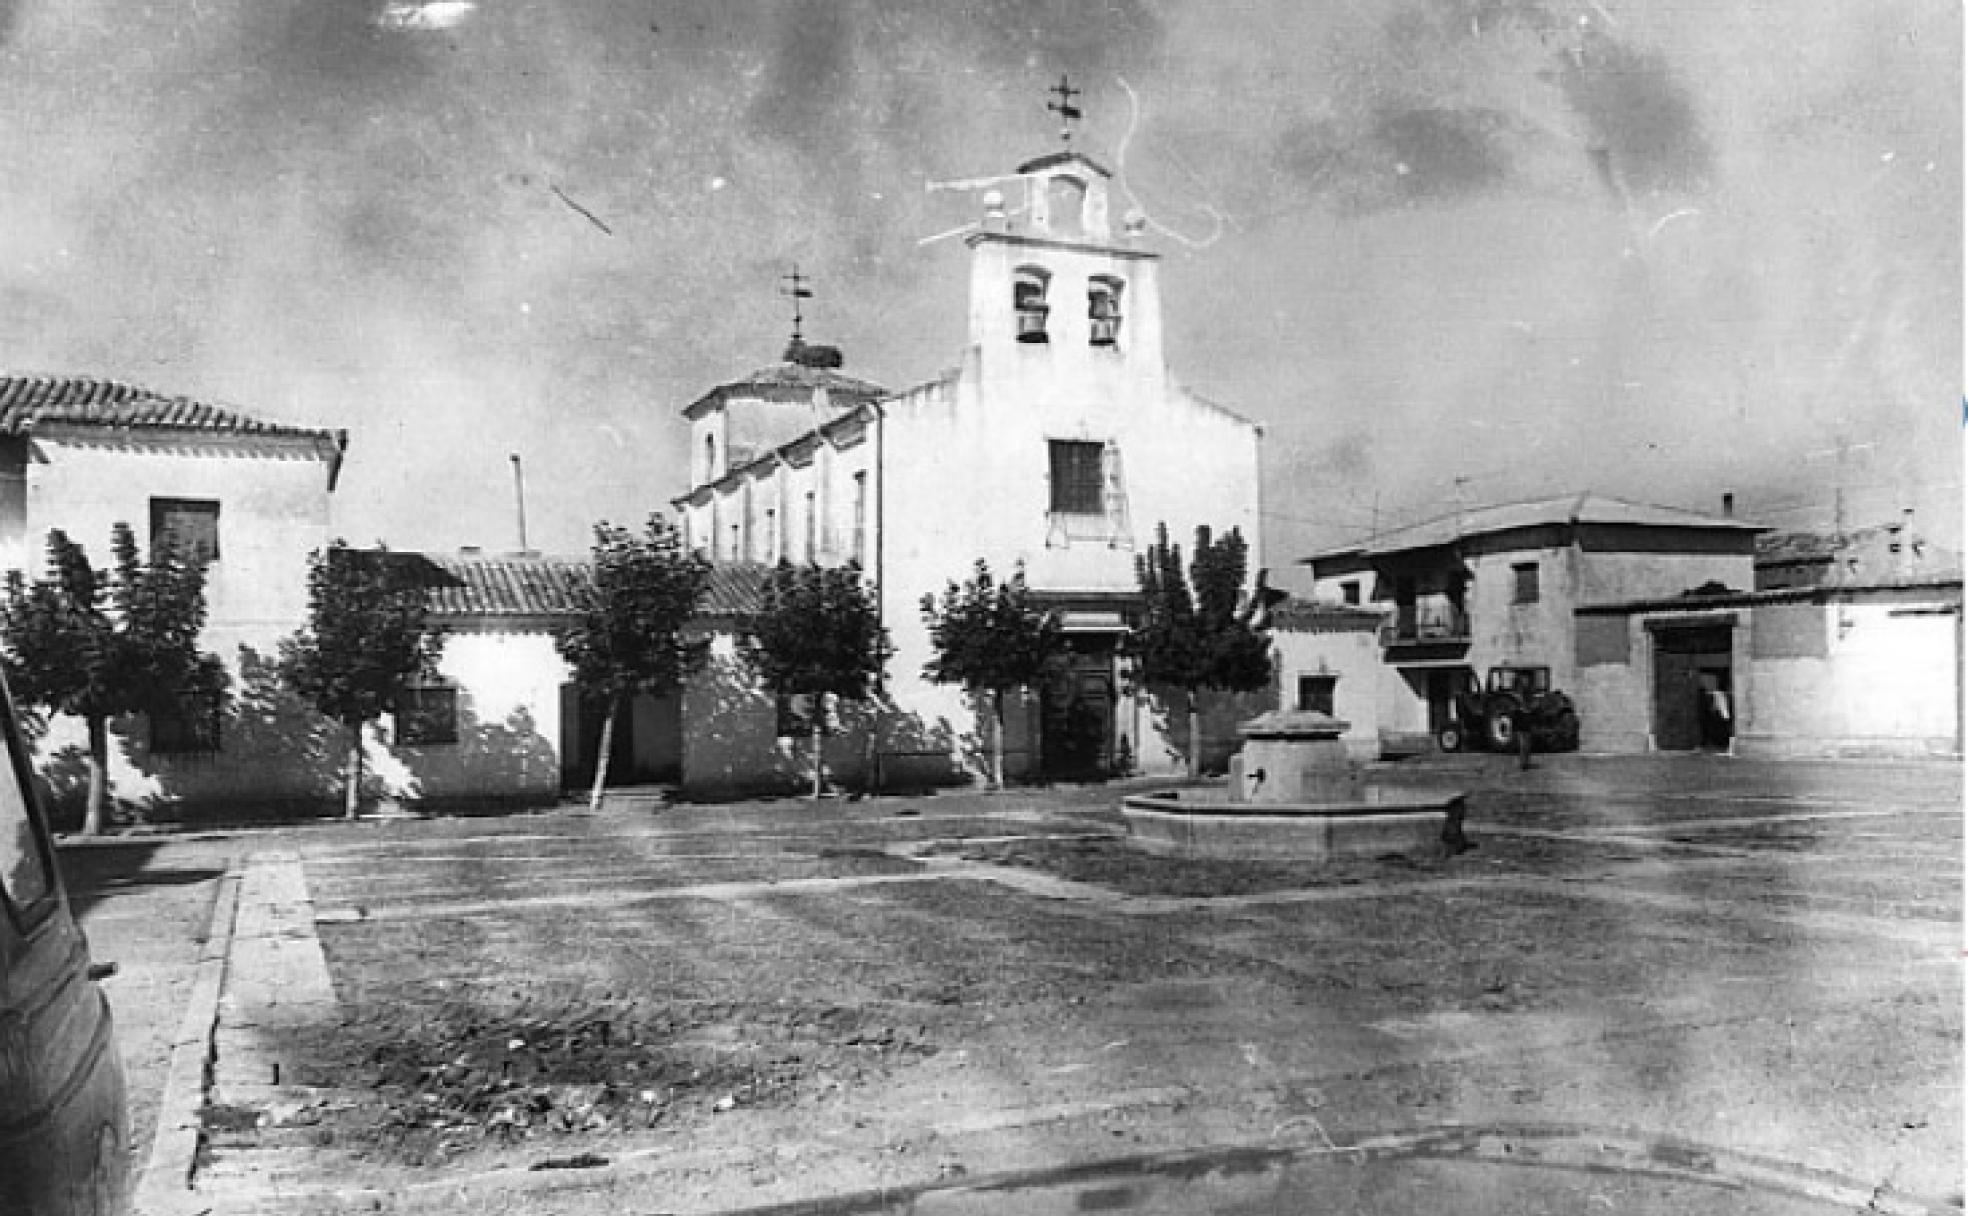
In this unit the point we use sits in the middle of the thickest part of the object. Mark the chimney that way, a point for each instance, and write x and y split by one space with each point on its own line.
1728 505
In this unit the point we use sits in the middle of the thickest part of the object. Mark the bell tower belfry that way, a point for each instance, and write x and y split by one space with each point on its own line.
1050 281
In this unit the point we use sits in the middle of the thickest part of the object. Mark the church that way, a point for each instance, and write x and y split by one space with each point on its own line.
1059 441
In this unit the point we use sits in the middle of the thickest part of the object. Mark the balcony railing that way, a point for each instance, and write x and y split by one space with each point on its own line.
1430 626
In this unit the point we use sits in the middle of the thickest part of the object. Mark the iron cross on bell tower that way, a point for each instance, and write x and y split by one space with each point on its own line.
796 290
1064 107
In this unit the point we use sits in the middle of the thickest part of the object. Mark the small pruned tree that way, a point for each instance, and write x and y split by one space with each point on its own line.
98 644
626 636
1194 635
991 638
817 635
368 632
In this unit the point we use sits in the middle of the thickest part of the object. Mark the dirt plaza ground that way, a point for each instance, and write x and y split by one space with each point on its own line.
666 1008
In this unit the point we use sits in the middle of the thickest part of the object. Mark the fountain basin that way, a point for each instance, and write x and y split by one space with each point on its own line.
1381 820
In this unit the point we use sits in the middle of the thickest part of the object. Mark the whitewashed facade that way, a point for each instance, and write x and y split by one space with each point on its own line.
1059 441
82 455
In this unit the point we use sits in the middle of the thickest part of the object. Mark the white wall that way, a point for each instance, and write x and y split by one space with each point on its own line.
509 727
1353 655
1888 684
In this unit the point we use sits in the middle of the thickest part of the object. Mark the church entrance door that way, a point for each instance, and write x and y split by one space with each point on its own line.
1077 712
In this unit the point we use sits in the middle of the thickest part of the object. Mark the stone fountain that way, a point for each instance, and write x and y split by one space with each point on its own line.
1295 796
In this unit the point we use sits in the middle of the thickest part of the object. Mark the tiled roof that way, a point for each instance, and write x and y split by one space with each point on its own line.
29 401
511 585
736 590
524 585
1587 508
789 381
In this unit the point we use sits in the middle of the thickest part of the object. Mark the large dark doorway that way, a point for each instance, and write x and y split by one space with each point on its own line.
1694 690
1076 707
646 749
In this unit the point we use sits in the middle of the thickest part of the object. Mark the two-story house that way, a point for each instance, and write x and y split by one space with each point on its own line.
82 455
1501 586
1058 443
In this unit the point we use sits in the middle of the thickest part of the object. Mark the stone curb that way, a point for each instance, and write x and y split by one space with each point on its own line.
164 1188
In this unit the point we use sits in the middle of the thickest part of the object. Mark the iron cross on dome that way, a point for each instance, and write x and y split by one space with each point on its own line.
1064 107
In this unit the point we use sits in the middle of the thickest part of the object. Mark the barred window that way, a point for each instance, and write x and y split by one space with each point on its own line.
427 714
190 524
1078 479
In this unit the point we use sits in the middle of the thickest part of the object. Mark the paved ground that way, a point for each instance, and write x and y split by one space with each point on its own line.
1652 973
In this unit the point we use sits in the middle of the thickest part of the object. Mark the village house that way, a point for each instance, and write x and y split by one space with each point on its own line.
1059 442
1850 645
1504 586
253 497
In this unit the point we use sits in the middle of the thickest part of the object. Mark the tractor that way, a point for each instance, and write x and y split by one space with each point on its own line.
1512 699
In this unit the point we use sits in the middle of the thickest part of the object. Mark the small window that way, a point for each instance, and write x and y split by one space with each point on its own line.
1028 302
1524 584
190 524
189 729
24 872
1349 591
1077 477
427 714
1315 693
710 457
1103 310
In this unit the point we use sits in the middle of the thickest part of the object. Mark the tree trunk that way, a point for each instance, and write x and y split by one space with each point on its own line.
92 814
1195 736
997 739
819 766
601 760
352 775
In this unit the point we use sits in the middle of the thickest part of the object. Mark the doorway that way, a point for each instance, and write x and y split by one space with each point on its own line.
646 749
1076 712
1694 688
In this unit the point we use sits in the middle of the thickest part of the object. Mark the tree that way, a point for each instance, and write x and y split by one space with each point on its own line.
98 644
367 633
989 637
818 634
1194 633
627 634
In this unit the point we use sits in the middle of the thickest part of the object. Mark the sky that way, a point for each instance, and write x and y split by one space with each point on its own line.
1450 252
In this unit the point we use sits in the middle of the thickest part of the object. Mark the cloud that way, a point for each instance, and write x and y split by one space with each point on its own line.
1645 134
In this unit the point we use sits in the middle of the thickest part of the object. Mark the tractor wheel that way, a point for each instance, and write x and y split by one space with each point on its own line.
1565 732
1449 738
1502 732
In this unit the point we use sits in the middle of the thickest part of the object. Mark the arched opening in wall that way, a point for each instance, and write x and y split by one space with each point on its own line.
1104 310
1028 302
710 457
1066 204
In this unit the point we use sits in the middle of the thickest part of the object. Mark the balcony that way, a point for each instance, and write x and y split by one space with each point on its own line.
1427 626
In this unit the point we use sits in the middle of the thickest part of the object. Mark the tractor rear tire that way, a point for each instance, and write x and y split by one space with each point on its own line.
1501 731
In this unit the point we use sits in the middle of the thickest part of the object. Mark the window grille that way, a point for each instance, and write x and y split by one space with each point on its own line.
1088 494
192 525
